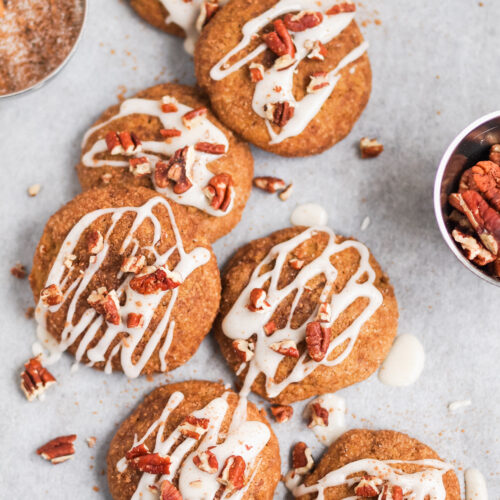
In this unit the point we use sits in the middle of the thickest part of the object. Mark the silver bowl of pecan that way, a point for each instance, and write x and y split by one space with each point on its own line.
467 197
37 39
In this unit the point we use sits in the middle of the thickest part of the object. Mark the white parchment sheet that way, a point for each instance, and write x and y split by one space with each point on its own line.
436 68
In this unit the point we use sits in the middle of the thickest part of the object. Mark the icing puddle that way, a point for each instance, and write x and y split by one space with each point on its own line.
405 362
475 485
309 214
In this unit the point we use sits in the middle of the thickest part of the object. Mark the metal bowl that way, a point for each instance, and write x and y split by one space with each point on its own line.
54 72
469 147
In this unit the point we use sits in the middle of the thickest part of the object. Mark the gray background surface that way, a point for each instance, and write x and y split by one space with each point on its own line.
436 69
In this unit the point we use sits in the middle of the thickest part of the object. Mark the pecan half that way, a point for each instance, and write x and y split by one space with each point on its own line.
194 427
302 460
486 178
155 279
279 41
206 461
319 415
317 51
35 379
303 20
286 348
106 303
139 167
317 340
244 349
269 184
18 271
152 463
169 492
279 113
370 148
473 250
220 191
341 8
495 154
282 413
233 473
58 450
210 148
195 117
258 300
390 492
175 171
51 295
368 486
169 104
133 264
95 242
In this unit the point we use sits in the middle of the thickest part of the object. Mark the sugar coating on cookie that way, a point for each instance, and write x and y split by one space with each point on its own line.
305 312
382 464
200 444
122 281
291 77
166 138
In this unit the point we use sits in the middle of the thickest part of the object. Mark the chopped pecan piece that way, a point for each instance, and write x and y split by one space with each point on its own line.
495 154
319 415
341 8
473 250
256 72
303 20
137 451
269 184
130 143
170 132
286 193
317 340
35 379
270 327
152 463
95 242
302 460
194 427
244 349
282 413
135 320
324 312
169 104
59 449
68 261
175 171
139 167
51 295
220 191
107 304
133 264
91 441
368 486
317 51
206 461
169 492
282 63
210 148
286 348
195 117
296 264
279 41
390 492
18 271
155 279
258 300
370 148
207 11
319 80
113 143
233 473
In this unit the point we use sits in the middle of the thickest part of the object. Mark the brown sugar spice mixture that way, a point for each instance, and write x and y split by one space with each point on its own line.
35 38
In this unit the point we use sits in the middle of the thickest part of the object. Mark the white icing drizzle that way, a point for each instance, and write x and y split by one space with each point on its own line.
458 405
241 323
404 363
336 407
89 323
475 485
244 438
205 131
185 14
277 85
426 483
309 214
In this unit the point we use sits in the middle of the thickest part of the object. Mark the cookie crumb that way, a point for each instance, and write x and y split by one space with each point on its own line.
18 271
91 441
29 313
34 189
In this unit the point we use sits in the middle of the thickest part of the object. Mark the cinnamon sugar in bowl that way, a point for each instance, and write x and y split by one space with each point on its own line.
37 37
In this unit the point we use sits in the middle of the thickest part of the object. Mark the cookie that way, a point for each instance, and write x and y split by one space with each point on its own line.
123 281
289 77
165 138
378 462
304 312
203 448
178 17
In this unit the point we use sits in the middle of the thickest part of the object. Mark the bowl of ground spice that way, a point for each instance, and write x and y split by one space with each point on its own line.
37 38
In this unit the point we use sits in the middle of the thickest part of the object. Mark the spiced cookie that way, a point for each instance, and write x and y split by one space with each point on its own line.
123 281
379 464
178 17
166 138
188 439
305 312
289 77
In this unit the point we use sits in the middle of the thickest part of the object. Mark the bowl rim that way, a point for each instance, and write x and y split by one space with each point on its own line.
438 212
63 63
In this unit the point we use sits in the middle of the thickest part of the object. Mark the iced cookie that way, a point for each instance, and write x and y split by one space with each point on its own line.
184 18
123 281
305 312
387 465
290 77
188 440
166 138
